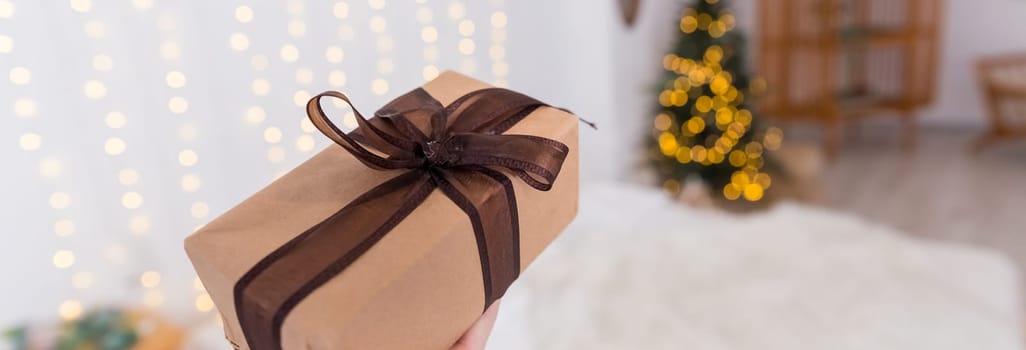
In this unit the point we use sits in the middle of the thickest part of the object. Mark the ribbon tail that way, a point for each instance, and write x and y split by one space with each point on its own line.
487 197
266 294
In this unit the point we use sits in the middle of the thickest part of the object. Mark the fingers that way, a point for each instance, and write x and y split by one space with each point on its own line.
477 335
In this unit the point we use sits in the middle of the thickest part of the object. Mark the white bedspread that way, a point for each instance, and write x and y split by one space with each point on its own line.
637 272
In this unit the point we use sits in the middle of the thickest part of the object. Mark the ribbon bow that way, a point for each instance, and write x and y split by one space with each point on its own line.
458 149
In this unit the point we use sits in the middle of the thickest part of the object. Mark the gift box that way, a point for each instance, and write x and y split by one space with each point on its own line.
401 234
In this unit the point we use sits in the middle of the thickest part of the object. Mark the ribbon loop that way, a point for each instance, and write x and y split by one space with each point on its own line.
459 149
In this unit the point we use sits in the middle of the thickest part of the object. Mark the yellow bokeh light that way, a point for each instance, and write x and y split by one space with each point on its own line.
175 79
457 10
170 50
178 105
429 34
114 146
385 66
142 4
20 75
94 29
128 177
663 122
150 279
261 87
683 155
714 156
466 27
306 125
724 116
732 191
197 285
713 54
81 5
30 141
131 200
94 89
668 143
753 192
340 10
740 178
337 78
703 21
103 63
204 303
153 298
199 210
717 29
719 85
6 9
672 186
304 76
699 153
424 15
379 87
738 158
763 180
50 167
64 227
275 154
59 200
255 115
703 104
497 52
115 120
378 24
244 14
6 44
191 183
139 224
81 280
297 28
259 62
63 259
376 4
499 19
430 72
288 53
334 54
301 97
688 24
70 310
695 125
305 143
187 157
272 134
467 46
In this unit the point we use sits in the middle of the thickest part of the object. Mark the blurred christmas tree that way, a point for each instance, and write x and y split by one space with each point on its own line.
703 127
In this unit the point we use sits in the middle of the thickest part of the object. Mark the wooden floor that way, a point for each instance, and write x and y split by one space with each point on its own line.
938 190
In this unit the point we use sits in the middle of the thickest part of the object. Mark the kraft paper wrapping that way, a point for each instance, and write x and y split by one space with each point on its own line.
420 287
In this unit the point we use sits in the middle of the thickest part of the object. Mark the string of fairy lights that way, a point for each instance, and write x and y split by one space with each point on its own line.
428 34
497 51
466 46
49 167
96 89
118 124
684 141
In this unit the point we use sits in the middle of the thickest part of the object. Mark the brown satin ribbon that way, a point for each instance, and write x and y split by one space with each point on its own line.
456 149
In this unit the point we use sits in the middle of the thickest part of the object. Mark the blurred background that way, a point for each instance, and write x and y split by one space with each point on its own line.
793 174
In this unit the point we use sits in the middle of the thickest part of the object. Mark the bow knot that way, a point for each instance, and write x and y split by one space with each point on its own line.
440 154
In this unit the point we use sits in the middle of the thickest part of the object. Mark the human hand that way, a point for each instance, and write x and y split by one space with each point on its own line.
476 337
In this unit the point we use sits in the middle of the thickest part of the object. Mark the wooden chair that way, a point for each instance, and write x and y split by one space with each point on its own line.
1003 82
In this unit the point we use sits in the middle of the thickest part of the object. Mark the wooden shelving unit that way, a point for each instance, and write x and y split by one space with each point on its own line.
832 60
